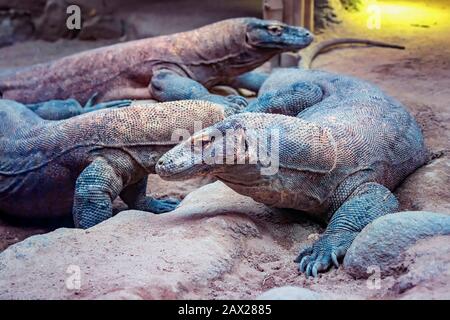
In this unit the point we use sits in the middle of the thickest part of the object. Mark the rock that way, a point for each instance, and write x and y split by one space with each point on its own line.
51 25
135 254
11 232
289 293
34 7
382 243
116 19
97 21
158 187
428 273
427 188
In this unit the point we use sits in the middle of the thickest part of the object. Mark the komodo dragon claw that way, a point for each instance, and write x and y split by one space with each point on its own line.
324 252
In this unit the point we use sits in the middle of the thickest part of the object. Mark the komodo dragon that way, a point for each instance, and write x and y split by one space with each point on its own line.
50 169
337 160
166 68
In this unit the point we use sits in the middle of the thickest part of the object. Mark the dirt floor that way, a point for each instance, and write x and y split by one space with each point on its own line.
419 77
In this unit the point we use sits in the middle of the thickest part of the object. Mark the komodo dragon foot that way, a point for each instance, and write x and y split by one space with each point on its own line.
64 109
368 202
169 86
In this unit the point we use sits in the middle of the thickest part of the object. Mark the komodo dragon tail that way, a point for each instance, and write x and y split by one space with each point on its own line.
308 58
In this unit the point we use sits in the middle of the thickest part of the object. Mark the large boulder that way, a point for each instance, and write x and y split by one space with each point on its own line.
210 246
158 187
427 188
381 244
427 265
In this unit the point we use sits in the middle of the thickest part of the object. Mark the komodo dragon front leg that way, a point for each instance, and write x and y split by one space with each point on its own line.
64 109
368 202
289 100
135 197
95 190
166 85
101 182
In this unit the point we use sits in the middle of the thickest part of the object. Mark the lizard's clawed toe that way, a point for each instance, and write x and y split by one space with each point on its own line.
324 253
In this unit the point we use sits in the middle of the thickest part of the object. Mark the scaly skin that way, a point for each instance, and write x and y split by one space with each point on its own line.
78 166
145 69
339 158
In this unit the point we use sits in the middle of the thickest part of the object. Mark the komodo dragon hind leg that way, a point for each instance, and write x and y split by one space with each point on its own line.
64 109
368 202
95 189
135 197
169 86
56 109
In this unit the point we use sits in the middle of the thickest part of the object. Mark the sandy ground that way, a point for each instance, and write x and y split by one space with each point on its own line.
419 77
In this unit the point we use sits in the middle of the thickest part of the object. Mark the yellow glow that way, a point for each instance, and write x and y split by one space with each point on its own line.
379 13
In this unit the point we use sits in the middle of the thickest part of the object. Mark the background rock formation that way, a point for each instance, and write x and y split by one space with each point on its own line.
383 242
113 19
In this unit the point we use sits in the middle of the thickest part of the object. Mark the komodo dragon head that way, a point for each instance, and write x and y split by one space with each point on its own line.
234 46
268 157
273 34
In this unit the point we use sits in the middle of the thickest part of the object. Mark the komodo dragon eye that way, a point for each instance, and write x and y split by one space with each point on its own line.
275 29
205 140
